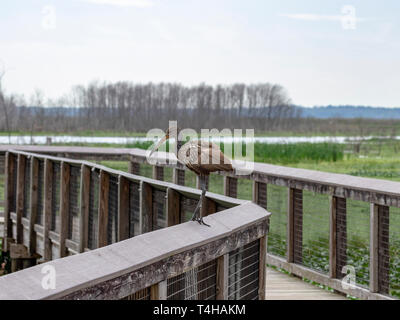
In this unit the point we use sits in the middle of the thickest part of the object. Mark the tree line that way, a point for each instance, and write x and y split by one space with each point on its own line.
127 106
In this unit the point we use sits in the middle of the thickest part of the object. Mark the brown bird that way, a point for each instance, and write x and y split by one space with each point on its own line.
201 157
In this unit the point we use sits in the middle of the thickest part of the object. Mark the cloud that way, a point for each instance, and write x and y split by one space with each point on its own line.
318 17
123 3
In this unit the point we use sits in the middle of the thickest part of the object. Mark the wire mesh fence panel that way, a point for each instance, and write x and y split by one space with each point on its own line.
190 179
40 200
216 184
394 252
168 174
358 232
159 209
13 204
134 209
143 294
112 227
27 189
146 170
74 203
187 205
277 204
243 281
245 189
341 236
93 210
55 201
383 249
316 214
196 284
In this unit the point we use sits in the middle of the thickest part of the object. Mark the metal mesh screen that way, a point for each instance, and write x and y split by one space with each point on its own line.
358 225
384 254
27 189
180 177
196 284
13 204
232 187
159 209
243 280
277 204
394 252
341 236
187 206
112 228
93 210
40 200
134 209
159 172
55 209
316 215
143 294
74 203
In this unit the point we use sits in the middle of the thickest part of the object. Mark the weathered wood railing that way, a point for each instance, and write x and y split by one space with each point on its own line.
186 261
322 223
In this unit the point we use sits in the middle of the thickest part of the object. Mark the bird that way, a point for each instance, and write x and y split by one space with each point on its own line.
201 157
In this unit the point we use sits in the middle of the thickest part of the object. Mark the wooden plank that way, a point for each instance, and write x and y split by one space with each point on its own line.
262 268
103 208
123 208
48 204
64 206
162 291
34 203
20 196
8 196
173 207
146 207
222 277
84 208
332 237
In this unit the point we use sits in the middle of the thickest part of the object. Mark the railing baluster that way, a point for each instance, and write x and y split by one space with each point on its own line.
146 208
134 167
173 207
84 208
178 176
158 173
48 204
104 184
222 277
295 226
64 206
262 277
123 208
34 203
20 196
230 186
260 193
9 198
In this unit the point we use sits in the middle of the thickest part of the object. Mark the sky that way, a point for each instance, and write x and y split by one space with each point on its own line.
322 52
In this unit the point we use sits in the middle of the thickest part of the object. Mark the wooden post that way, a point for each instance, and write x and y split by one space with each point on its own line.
20 196
262 268
146 207
158 173
34 203
260 193
48 204
134 167
103 208
123 208
84 208
158 291
9 197
198 182
178 176
173 207
64 206
379 249
222 277
295 226
230 186
337 237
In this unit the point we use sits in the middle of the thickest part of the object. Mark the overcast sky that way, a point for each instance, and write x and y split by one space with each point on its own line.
306 46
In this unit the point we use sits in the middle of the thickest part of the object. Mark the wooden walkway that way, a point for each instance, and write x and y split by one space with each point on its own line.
281 286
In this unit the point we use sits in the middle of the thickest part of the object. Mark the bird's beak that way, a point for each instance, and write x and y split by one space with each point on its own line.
159 143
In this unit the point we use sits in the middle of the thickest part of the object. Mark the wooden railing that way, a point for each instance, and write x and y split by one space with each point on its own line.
186 261
323 224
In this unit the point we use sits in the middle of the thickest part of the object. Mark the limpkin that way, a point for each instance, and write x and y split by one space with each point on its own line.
201 157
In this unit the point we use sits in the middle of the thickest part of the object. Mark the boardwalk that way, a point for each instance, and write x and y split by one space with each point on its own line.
281 286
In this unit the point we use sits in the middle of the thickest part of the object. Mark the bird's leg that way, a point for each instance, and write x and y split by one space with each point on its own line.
197 212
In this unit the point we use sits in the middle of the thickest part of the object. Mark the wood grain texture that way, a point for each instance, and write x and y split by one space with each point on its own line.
20 196
103 208
84 207
222 277
64 206
123 208
34 203
48 204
